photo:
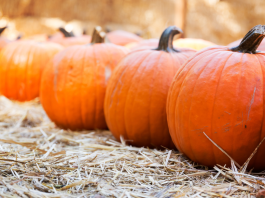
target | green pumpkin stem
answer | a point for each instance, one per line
(2, 29)
(65, 33)
(98, 36)
(251, 41)
(166, 39)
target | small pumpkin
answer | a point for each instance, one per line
(67, 39)
(196, 44)
(74, 83)
(135, 103)
(22, 63)
(220, 92)
(3, 41)
(121, 37)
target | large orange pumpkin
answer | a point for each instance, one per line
(67, 39)
(74, 83)
(22, 63)
(3, 41)
(220, 92)
(121, 37)
(135, 103)
(196, 44)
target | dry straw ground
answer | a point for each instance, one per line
(39, 160)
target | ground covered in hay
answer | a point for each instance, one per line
(37, 159)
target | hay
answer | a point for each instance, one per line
(39, 160)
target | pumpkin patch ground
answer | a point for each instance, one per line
(41, 160)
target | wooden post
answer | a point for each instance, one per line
(180, 14)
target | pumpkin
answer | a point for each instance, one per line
(135, 103)
(236, 43)
(74, 83)
(196, 44)
(22, 63)
(121, 37)
(3, 41)
(219, 93)
(67, 39)
(37, 37)
(151, 43)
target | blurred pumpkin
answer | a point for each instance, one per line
(67, 39)
(73, 84)
(151, 43)
(236, 43)
(22, 63)
(220, 92)
(3, 41)
(196, 44)
(37, 37)
(121, 37)
(135, 103)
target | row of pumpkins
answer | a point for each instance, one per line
(154, 93)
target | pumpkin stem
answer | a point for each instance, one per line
(2, 29)
(251, 41)
(98, 36)
(166, 39)
(65, 33)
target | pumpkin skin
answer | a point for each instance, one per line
(196, 44)
(121, 37)
(135, 103)
(73, 85)
(236, 43)
(22, 63)
(219, 92)
(3, 42)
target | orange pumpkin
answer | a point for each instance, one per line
(22, 63)
(121, 37)
(196, 44)
(135, 103)
(220, 92)
(3, 41)
(67, 39)
(74, 83)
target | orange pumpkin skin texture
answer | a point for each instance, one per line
(196, 44)
(74, 83)
(219, 92)
(135, 103)
(121, 37)
(22, 63)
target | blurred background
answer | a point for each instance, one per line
(219, 21)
